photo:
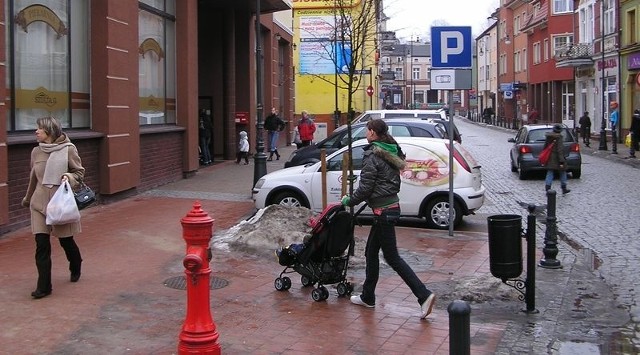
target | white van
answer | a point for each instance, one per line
(386, 114)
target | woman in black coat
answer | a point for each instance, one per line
(379, 187)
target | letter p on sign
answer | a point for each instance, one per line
(451, 47)
(452, 41)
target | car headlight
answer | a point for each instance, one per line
(259, 184)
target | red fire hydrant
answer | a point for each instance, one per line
(199, 334)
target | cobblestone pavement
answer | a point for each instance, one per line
(598, 221)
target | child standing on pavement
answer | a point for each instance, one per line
(243, 148)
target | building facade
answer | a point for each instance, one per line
(487, 78)
(330, 38)
(128, 80)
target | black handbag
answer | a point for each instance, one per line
(84, 196)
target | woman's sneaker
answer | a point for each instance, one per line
(357, 300)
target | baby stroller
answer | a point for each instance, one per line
(323, 257)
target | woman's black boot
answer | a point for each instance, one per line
(43, 264)
(72, 252)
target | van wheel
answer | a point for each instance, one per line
(288, 199)
(437, 213)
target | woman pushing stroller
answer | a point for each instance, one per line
(379, 186)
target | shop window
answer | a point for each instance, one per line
(40, 78)
(156, 36)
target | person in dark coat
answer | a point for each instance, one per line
(557, 161)
(379, 186)
(585, 128)
(274, 125)
(634, 130)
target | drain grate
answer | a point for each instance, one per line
(180, 283)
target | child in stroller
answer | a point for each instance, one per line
(322, 257)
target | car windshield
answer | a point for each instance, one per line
(539, 135)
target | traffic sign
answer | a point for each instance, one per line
(508, 95)
(370, 90)
(451, 47)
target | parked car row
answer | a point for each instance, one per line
(339, 138)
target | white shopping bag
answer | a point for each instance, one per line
(62, 207)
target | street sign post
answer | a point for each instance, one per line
(451, 62)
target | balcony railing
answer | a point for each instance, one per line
(574, 55)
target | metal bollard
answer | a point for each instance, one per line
(550, 249)
(459, 328)
(530, 282)
(199, 334)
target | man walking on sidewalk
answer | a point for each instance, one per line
(614, 118)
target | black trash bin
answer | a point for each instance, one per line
(505, 245)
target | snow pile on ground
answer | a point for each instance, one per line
(270, 228)
(275, 227)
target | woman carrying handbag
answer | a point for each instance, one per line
(54, 161)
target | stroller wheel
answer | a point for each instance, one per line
(317, 295)
(325, 292)
(279, 284)
(306, 281)
(287, 282)
(343, 289)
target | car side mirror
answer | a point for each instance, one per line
(511, 140)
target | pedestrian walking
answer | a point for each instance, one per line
(379, 186)
(533, 116)
(54, 161)
(274, 125)
(205, 130)
(614, 118)
(634, 130)
(585, 128)
(306, 129)
(557, 161)
(243, 148)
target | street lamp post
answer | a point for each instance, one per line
(411, 72)
(260, 166)
(603, 123)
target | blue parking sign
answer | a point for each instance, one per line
(451, 47)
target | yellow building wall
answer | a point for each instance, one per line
(316, 93)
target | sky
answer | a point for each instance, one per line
(413, 18)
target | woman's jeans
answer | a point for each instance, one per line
(273, 140)
(549, 178)
(383, 236)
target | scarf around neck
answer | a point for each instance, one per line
(57, 163)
